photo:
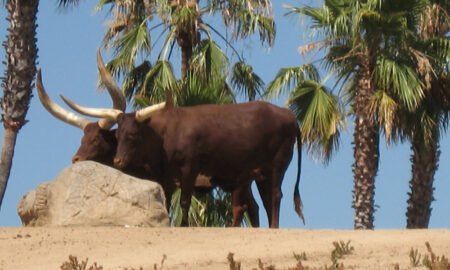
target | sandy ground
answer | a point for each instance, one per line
(207, 248)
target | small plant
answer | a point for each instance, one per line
(73, 264)
(233, 264)
(262, 267)
(340, 249)
(299, 266)
(434, 262)
(155, 266)
(300, 257)
(414, 257)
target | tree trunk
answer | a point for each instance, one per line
(366, 150)
(21, 54)
(187, 35)
(424, 161)
(186, 54)
(9, 141)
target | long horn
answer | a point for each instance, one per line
(116, 94)
(55, 109)
(110, 114)
(143, 114)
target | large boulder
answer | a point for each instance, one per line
(91, 194)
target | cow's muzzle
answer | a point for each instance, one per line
(118, 163)
(76, 158)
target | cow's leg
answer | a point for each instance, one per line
(187, 188)
(280, 163)
(264, 187)
(169, 185)
(277, 176)
(238, 202)
(252, 209)
(169, 188)
(243, 200)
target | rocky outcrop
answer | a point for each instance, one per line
(91, 194)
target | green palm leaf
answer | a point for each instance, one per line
(401, 79)
(127, 47)
(320, 118)
(207, 210)
(245, 80)
(134, 81)
(246, 17)
(193, 90)
(288, 78)
(157, 79)
(209, 59)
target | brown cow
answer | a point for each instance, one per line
(238, 142)
(99, 142)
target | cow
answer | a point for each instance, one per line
(233, 143)
(99, 142)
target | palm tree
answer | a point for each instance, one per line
(362, 40)
(184, 24)
(21, 55)
(428, 121)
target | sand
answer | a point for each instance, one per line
(208, 248)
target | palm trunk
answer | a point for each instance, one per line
(424, 161)
(21, 54)
(9, 141)
(366, 151)
(187, 35)
(186, 54)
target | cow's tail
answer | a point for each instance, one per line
(298, 205)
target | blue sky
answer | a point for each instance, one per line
(67, 42)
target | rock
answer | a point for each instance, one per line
(91, 194)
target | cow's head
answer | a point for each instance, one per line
(98, 143)
(134, 137)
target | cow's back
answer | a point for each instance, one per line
(227, 139)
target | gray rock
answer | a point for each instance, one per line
(91, 194)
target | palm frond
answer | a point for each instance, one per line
(331, 18)
(127, 47)
(209, 59)
(384, 108)
(246, 81)
(67, 3)
(320, 118)
(206, 210)
(157, 79)
(434, 21)
(288, 78)
(134, 80)
(401, 79)
(248, 17)
(195, 91)
(167, 43)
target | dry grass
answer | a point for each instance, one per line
(74, 264)
(431, 261)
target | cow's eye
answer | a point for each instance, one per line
(132, 136)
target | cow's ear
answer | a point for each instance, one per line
(169, 99)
